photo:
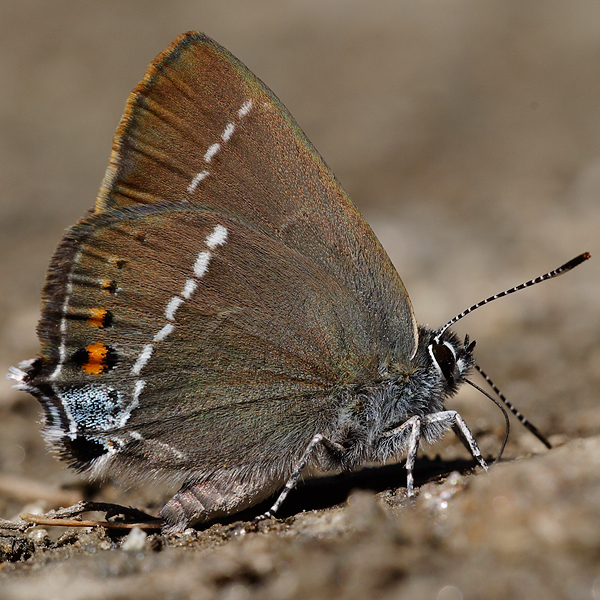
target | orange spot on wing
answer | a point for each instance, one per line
(97, 317)
(108, 286)
(97, 359)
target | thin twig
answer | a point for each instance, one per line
(65, 522)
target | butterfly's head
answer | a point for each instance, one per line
(452, 359)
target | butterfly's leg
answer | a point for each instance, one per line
(468, 441)
(300, 465)
(415, 423)
(463, 433)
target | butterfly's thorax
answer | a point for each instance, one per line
(369, 412)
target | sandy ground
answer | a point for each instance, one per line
(468, 133)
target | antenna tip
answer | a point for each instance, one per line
(576, 261)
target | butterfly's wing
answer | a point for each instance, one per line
(207, 317)
(178, 325)
(201, 128)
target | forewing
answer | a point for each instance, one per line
(202, 129)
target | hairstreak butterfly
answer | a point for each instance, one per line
(224, 317)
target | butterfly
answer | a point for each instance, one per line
(224, 319)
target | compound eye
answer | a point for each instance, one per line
(444, 357)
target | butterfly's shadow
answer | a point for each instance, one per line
(326, 492)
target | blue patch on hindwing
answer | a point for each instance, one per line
(93, 407)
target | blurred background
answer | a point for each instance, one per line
(468, 134)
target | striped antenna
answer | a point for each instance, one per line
(527, 424)
(566, 267)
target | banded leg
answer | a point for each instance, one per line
(459, 423)
(300, 465)
(415, 423)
